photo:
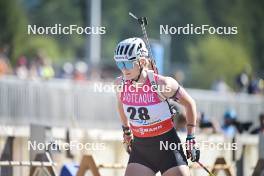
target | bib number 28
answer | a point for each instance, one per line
(142, 113)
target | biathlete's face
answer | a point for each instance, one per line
(130, 69)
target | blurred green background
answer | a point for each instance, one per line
(204, 58)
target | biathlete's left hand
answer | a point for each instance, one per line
(191, 150)
(127, 139)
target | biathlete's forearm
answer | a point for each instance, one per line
(191, 117)
(124, 122)
(190, 107)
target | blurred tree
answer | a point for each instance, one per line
(245, 14)
(12, 30)
(170, 12)
(14, 37)
(254, 26)
(248, 17)
(43, 44)
(64, 12)
(213, 58)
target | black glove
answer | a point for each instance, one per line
(192, 152)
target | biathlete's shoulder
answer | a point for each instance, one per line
(170, 84)
(165, 80)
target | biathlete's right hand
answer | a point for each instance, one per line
(127, 139)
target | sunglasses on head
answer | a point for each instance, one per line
(125, 65)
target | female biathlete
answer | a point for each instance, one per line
(146, 115)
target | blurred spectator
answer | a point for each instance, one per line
(254, 85)
(34, 70)
(242, 81)
(67, 70)
(21, 69)
(259, 129)
(220, 86)
(261, 86)
(46, 69)
(229, 127)
(80, 72)
(95, 74)
(205, 124)
(4, 66)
